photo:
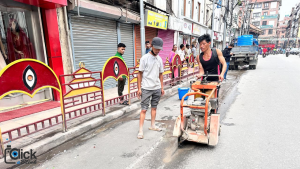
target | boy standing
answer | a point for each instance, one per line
(150, 83)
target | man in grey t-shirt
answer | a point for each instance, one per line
(150, 83)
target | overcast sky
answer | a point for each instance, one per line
(286, 7)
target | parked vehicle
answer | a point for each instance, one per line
(244, 54)
(294, 51)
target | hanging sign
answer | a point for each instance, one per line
(156, 20)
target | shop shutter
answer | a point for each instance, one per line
(127, 39)
(168, 38)
(94, 41)
(150, 33)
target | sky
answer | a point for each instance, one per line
(286, 7)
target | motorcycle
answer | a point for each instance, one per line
(264, 55)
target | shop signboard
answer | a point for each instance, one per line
(187, 27)
(175, 24)
(196, 29)
(156, 20)
(269, 16)
(266, 26)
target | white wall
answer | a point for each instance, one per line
(161, 4)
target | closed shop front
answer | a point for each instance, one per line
(154, 22)
(126, 32)
(150, 33)
(95, 40)
(168, 38)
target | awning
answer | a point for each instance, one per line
(255, 29)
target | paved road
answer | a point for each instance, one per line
(115, 145)
(261, 127)
(260, 118)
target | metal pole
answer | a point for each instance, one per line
(224, 36)
(224, 33)
(142, 26)
(212, 24)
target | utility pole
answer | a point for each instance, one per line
(142, 26)
(225, 25)
(212, 24)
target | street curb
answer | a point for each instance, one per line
(49, 143)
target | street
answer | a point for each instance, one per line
(259, 129)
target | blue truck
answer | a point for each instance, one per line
(245, 52)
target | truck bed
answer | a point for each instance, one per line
(243, 50)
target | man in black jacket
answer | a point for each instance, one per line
(227, 54)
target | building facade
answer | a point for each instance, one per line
(266, 16)
(30, 29)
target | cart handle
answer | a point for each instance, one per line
(200, 107)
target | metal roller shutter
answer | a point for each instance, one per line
(168, 38)
(127, 38)
(150, 33)
(94, 41)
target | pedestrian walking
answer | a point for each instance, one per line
(148, 47)
(121, 80)
(187, 53)
(171, 56)
(150, 84)
(181, 52)
(194, 51)
(227, 55)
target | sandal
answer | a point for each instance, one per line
(140, 135)
(155, 129)
(124, 103)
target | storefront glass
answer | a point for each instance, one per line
(15, 42)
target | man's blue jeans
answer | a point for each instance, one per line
(226, 69)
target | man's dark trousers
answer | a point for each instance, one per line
(121, 84)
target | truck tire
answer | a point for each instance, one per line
(253, 67)
(236, 67)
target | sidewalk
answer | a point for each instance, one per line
(25, 120)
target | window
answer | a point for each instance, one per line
(182, 7)
(282, 31)
(263, 32)
(273, 4)
(257, 5)
(197, 16)
(191, 8)
(16, 30)
(270, 31)
(265, 13)
(207, 17)
(282, 36)
(255, 23)
(169, 6)
(266, 5)
(256, 15)
(264, 23)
